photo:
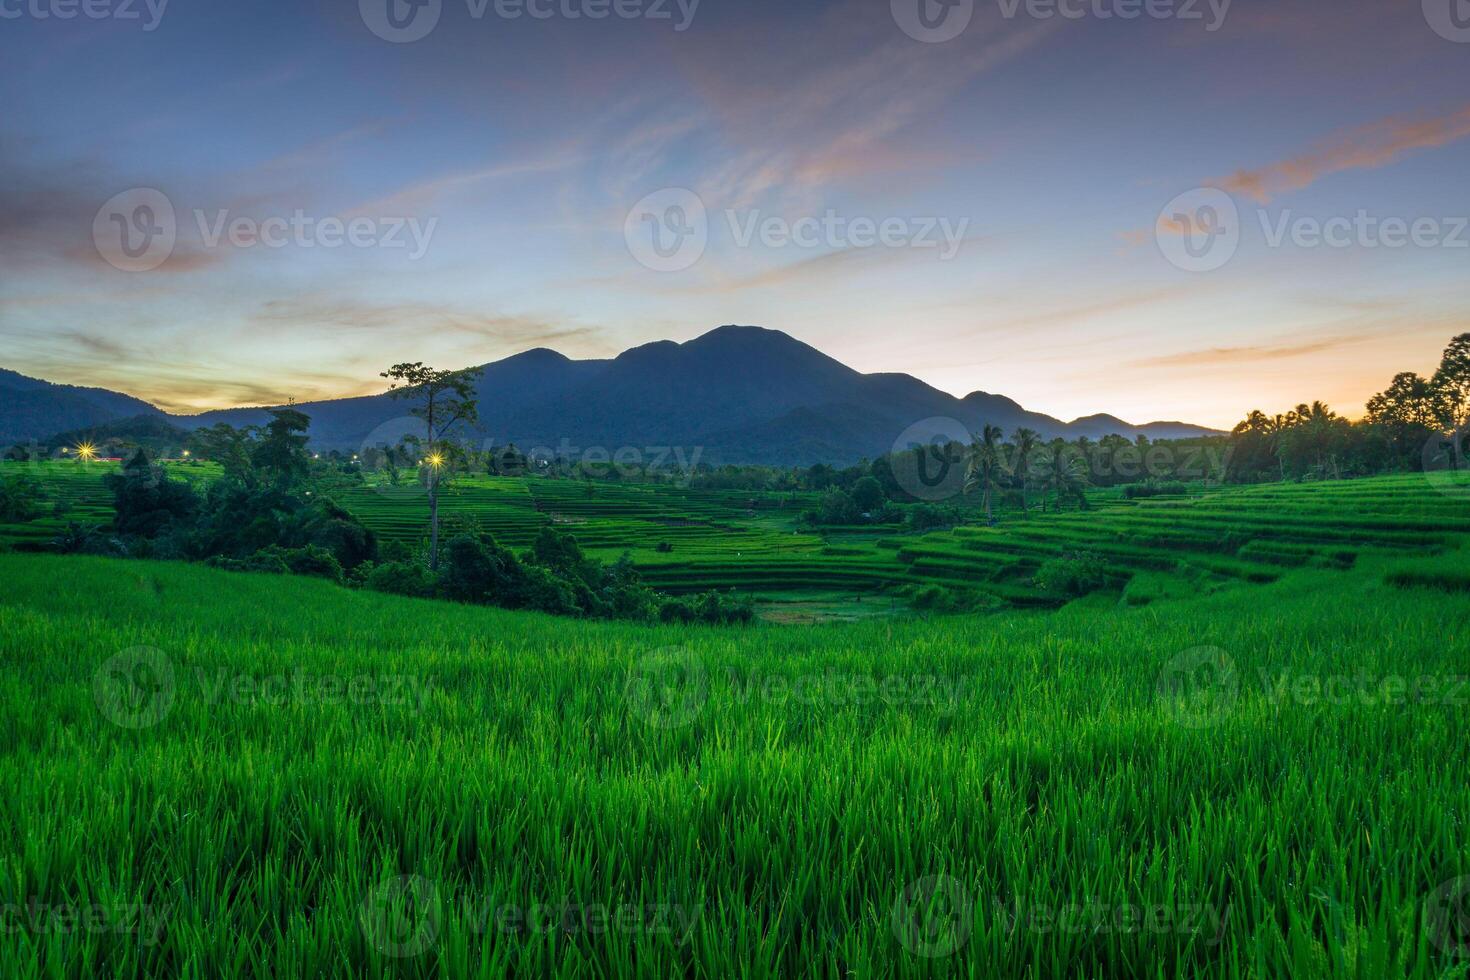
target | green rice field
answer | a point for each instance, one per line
(1246, 758)
(1214, 538)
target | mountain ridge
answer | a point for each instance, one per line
(745, 394)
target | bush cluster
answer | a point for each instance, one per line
(1074, 574)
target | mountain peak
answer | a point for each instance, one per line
(1102, 418)
(538, 355)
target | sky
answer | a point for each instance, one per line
(1087, 205)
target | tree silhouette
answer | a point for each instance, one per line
(446, 399)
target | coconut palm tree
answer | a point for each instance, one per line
(1026, 442)
(1065, 473)
(984, 466)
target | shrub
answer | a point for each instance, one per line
(401, 578)
(542, 590)
(663, 548)
(1074, 574)
(1138, 491)
(19, 497)
(310, 560)
(476, 569)
(88, 539)
(275, 560)
(927, 517)
(934, 598)
(710, 607)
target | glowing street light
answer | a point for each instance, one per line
(86, 452)
(435, 460)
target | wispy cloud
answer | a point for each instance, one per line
(1214, 356)
(1373, 145)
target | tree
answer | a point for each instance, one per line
(145, 501)
(1065, 473)
(984, 466)
(226, 445)
(1452, 382)
(1027, 441)
(867, 493)
(280, 455)
(446, 399)
(1309, 441)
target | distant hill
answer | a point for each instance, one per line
(743, 394)
(35, 409)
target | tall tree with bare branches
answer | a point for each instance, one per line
(445, 400)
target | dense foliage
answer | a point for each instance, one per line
(271, 510)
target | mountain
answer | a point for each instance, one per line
(740, 394)
(34, 409)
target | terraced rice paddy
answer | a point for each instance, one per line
(749, 542)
